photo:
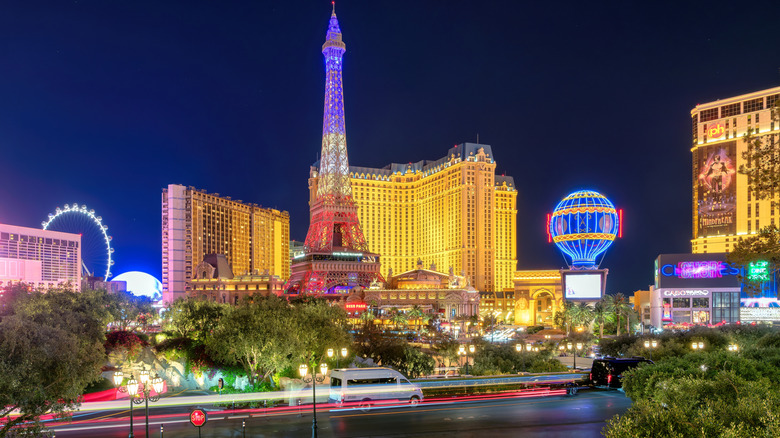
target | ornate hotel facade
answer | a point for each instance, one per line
(723, 207)
(455, 212)
(196, 223)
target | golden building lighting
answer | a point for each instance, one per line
(455, 212)
(723, 206)
(196, 223)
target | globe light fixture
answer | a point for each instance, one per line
(650, 345)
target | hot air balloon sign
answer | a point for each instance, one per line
(583, 225)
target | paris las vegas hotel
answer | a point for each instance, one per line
(452, 212)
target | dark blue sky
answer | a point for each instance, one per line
(105, 103)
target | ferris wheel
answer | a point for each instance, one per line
(96, 250)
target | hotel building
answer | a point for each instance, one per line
(723, 207)
(455, 212)
(196, 223)
(41, 258)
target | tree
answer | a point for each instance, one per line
(51, 348)
(416, 314)
(581, 314)
(601, 314)
(192, 318)
(318, 327)
(714, 392)
(416, 363)
(259, 336)
(398, 318)
(620, 306)
(383, 348)
(563, 316)
(367, 316)
(447, 348)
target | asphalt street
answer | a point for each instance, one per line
(583, 415)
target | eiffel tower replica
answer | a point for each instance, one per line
(336, 257)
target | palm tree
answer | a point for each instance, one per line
(582, 314)
(620, 307)
(563, 318)
(415, 313)
(397, 317)
(601, 313)
(367, 316)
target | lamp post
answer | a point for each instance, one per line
(463, 351)
(575, 347)
(697, 345)
(519, 348)
(733, 347)
(332, 353)
(303, 370)
(650, 345)
(132, 388)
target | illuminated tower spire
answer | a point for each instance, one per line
(334, 222)
(334, 166)
(336, 257)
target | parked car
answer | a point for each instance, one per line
(608, 371)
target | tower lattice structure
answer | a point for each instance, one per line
(336, 256)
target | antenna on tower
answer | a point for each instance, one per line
(477, 137)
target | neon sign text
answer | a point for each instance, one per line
(716, 131)
(356, 307)
(699, 269)
(687, 293)
(758, 271)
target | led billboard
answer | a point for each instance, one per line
(584, 285)
(716, 188)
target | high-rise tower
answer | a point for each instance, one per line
(336, 256)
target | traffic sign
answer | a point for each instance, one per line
(198, 417)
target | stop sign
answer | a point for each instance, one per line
(198, 417)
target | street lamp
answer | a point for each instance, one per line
(575, 347)
(332, 353)
(132, 389)
(697, 345)
(463, 351)
(303, 370)
(650, 345)
(733, 347)
(519, 348)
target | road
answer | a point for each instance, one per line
(583, 415)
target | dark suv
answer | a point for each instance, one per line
(608, 371)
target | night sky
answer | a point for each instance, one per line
(104, 103)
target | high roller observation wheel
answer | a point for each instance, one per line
(74, 208)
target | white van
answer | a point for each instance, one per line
(361, 386)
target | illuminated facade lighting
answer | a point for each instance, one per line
(724, 207)
(454, 211)
(41, 258)
(196, 223)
